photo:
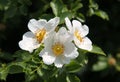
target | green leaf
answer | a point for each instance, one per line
(80, 17)
(3, 73)
(31, 77)
(6, 56)
(97, 50)
(15, 69)
(72, 78)
(63, 15)
(101, 65)
(102, 14)
(3, 4)
(61, 77)
(73, 67)
(58, 7)
(46, 74)
(22, 55)
(82, 58)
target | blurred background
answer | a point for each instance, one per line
(102, 17)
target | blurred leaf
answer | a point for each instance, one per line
(72, 78)
(11, 11)
(25, 2)
(6, 56)
(22, 55)
(97, 50)
(3, 3)
(101, 65)
(82, 58)
(58, 7)
(23, 10)
(102, 14)
(15, 69)
(90, 12)
(62, 77)
(45, 73)
(63, 15)
(93, 4)
(81, 17)
(76, 5)
(3, 73)
(73, 67)
(30, 77)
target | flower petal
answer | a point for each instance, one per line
(47, 57)
(70, 50)
(84, 31)
(86, 44)
(68, 24)
(65, 59)
(35, 25)
(51, 24)
(63, 32)
(77, 24)
(28, 44)
(28, 35)
(58, 63)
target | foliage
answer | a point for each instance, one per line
(14, 16)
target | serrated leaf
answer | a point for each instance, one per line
(97, 50)
(72, 78)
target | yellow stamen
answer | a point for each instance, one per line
(77, 35)
(40, 35)
(58, 49)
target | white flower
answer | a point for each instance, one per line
(79, 32)
(39, 29)
(59, 48)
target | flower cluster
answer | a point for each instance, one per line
(59, 47)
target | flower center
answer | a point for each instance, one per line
(40, 35)
(77, 35)
(58, 49)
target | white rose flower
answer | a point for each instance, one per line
(59, 48)
(79, 32)
(39, 29)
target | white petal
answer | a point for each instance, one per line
(52, 24)
(28, 35)
(48, 58)
(70, 50)
(86, 44)
(48, 42)
(64, 59)
(42, 23)
(64, 35)
(28, 44)
(76, 24)
(69, 47)
(84, 31)
(68, 24)
(33, 25)
(58, 63)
